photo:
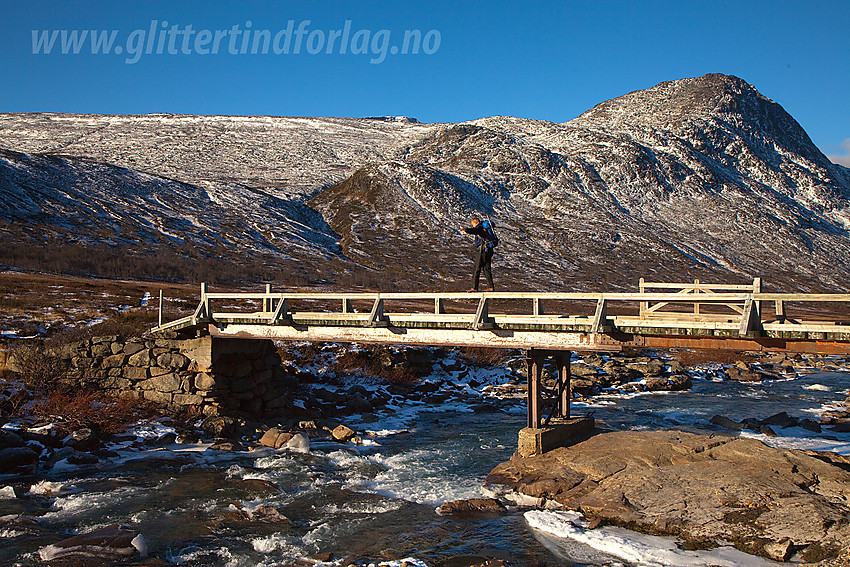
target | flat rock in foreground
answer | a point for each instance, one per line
(772, 502)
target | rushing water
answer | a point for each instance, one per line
(368, 504)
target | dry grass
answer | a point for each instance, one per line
(56, 302)
(375, 361)
(300, 355)
(150, 263)
(95, 410)
(372, 360)
(400, 376)
(697, 357)
(41, 371)
(483, 356)
(13, 399)
(54, 392)
(126, 324)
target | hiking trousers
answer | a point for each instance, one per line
(483, 258)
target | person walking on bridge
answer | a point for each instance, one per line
(485, 241)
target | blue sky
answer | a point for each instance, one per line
(545, 60)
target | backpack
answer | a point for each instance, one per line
(493, 240)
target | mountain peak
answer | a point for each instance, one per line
(711, 94)
(712, 101)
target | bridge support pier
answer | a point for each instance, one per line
(557, 429)
(559, 407)
(560, 433)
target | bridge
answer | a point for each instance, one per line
(661, 315)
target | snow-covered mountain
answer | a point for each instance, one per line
(697, 178)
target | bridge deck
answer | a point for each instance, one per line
(696, 315)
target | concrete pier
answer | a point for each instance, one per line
(559, 433)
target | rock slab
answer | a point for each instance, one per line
(766, 501)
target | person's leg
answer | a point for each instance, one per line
(479, 265)
(488, 271)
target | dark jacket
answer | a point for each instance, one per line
(482, 237)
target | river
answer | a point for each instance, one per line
(374, 503)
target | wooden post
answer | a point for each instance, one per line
(267, 302)
(346, 305)
(751, 319)
(600, 317)
(439, 306)
(376, 316)
(160, 308)
(564, 386)
(482, 315)
(205, 301)
(538, 309)
(757, 289)
(202, 312)
(696, 292)
(535, 375)
(644, 305)
(780, 310)
(281, 314)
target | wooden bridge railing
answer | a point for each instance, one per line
(741, 303)
(697, 288)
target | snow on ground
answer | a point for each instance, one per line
(407, 561)
(803, 439)
(560, 529)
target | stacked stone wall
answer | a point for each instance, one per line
(215, 376)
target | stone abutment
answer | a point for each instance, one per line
(210, 375)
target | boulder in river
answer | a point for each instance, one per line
(17, 460)
(471, 507)
(9, 438)
(342, 433)
(740, 375)
(275, 438)
(109, 543)
(782, 419)
(725, 422)
(707, 488)
(83, 439)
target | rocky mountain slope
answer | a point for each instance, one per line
(697, 178)
(52, 200)
(286, 156)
